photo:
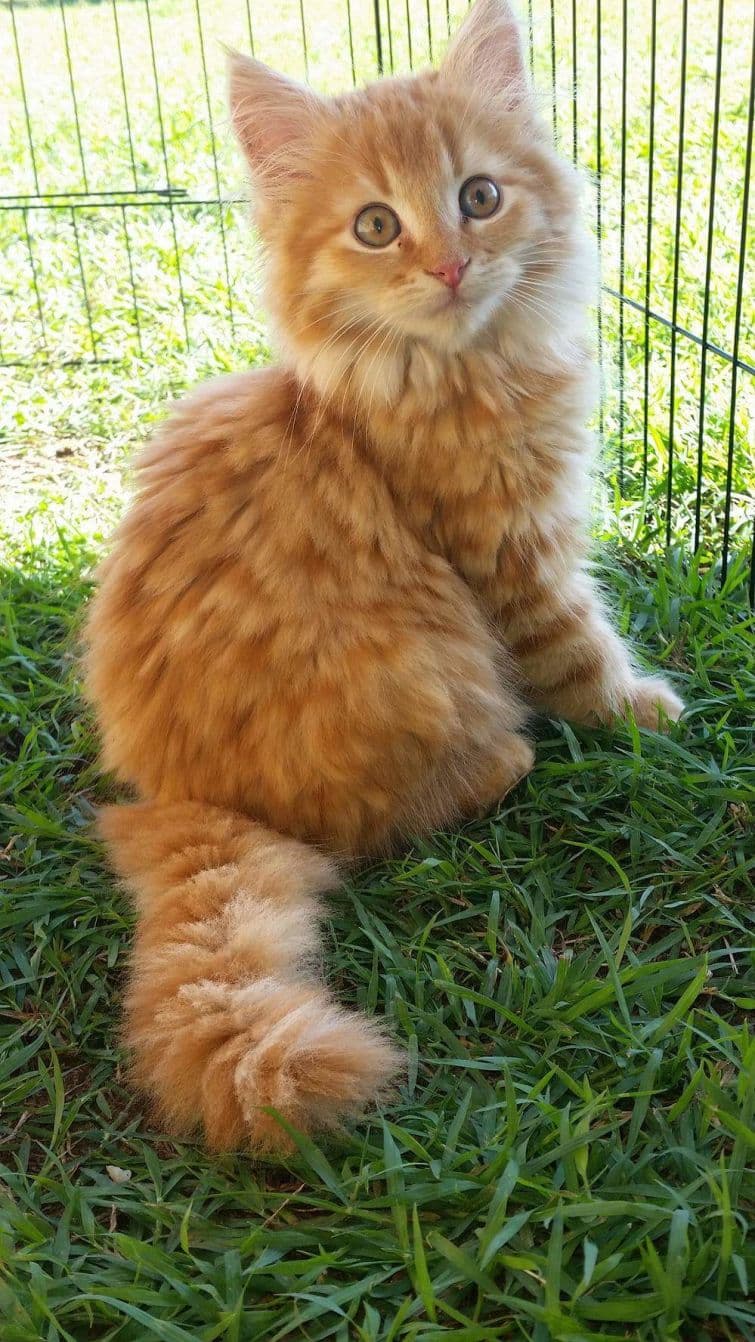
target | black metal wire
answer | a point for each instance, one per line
(708, 268)
(135, 300)
(34, 279)
(248, 24)
(379, 34)
(84, 287)
(389, 30)
(13, 202)
(83, 362)
(74, 99)
(649, 241)
(622, 242)
(574, 76)
(553, 69)
(168, 187)
(409, 36)
(351, 42)
(671, 325)
(24, 98)
(213, 150)
(599, 195)
(35, 282)
(125, 95)
(163, 201)
(304, 43)
(677, 255)
(737, 333)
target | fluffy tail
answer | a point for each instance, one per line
(224, 1013)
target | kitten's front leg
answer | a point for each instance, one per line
(574, 662)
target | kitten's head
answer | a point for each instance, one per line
(430, 210)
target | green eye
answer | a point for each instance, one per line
(479, 198)
(376, 226)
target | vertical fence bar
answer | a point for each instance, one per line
(249, 25)
(574, 74)
(737, 333)
(409, 36)
(379, 34)
(24, 99)
(708, 269)
(389, 25)
(553, 69)
(213, 149)
(74, 99)
(125, 96)
(137, 323)
(622, 242)
(675, 292)
(35, 283)
(84, 288)
(351, 43)
(599, 196)
(161, 125)
(530, 39)
(649, 241)
(305, 47)
(429, 30)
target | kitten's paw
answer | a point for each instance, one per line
(318, 1066)
(512, 762)
(516, 760)
(654, 703)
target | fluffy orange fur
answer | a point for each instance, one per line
(347, 580)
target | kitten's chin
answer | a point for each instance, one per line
(454, 324)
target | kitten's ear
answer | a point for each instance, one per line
(273, 117)
(487, 53)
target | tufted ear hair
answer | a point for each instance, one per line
(273, 117)
(486, 53)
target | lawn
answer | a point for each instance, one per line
(571, 1153)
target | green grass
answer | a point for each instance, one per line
(572, 1155)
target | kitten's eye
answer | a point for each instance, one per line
(376, 226)
(479, 198)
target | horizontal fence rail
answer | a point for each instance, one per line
(124, 230)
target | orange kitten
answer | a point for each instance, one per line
(348, 579)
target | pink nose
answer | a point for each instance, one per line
(450, 272)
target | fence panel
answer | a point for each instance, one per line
(123, 224)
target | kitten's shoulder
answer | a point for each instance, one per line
(238, 415)
(237, 402)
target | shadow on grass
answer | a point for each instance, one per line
(63, 925)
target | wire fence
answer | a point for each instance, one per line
(124, 234)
